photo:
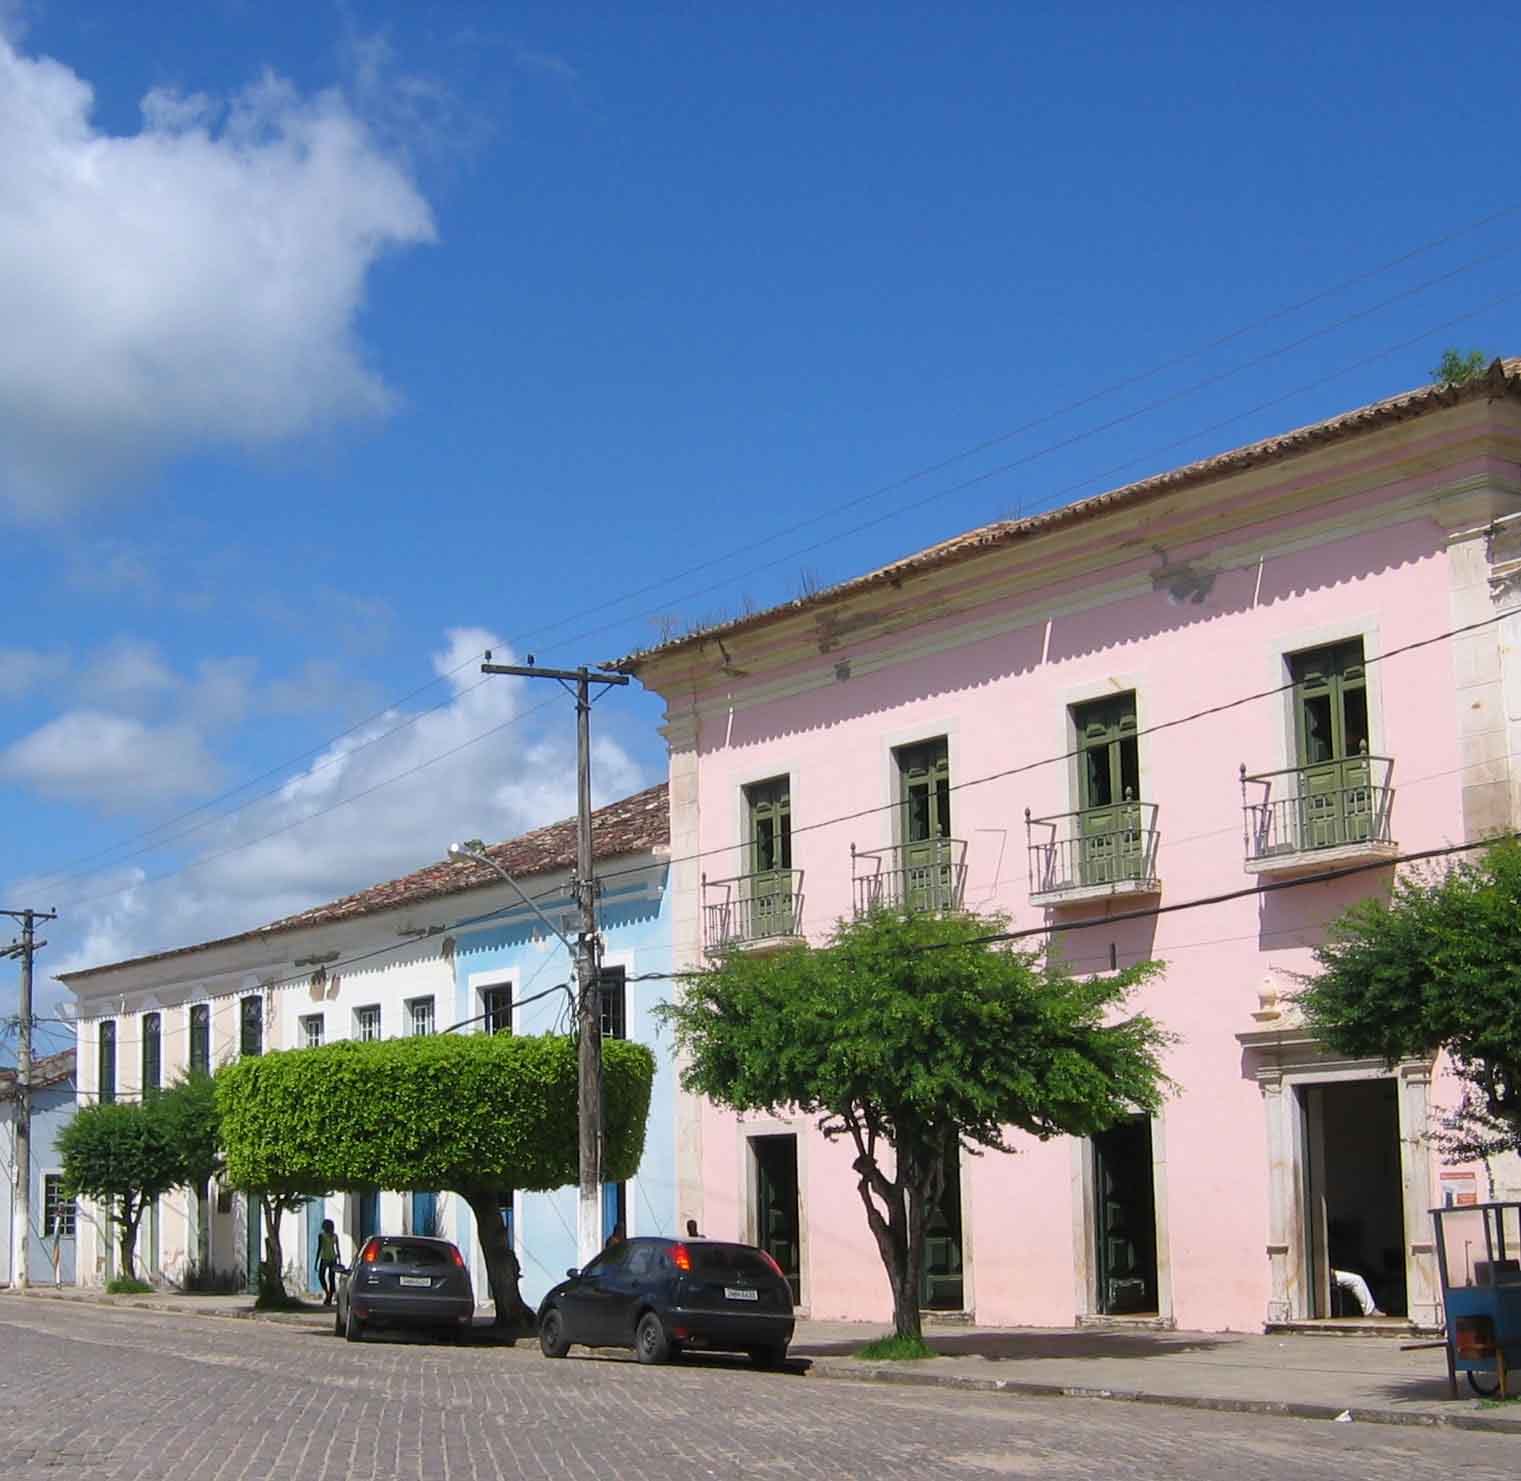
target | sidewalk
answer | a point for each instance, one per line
(1307, 1377)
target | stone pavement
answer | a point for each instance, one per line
(1308, 1377)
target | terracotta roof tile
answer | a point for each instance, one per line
(629, 826)
(49, 1069)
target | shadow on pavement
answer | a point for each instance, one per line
(1003, 1347)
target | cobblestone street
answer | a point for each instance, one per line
(119, 1394)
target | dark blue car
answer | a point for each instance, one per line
(659, 1296)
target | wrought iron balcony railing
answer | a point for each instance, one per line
(751, 907)
(1095, 848)
(1332, 804)
(909, 876)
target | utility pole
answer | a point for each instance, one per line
(21, 1203)
(588, 999)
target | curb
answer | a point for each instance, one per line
(1028, 1389)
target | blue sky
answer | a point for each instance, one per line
(347, 339)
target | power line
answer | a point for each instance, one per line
(986, 475)
(1072, 752)
(1103, 393)
(72, 868)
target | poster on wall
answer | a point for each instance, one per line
(1459, 1189)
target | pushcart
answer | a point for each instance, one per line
(1479, 1256)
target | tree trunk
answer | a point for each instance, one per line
(893, 1244)
(272, 1266)
(502, 1270)
(128, 1220)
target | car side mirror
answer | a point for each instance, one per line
(572, 1273)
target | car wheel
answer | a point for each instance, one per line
(768, 1357)
(353, 1329)
(553, 1339)
(651, 1345)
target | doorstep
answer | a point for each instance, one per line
(1144, 1322)
(1353, 1326)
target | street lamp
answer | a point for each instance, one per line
(589, 1043)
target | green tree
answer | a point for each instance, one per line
(1455, 367)
(1436, 967)
(120, 1156)
(913, 1038)
(476, 1114)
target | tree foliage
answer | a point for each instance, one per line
(913, 1038)
(124, 1155)
(475, 1114)
(1436, 967)
(1455, 367)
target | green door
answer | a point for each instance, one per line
(1331, 732)
(941, 1285)
(770, 859)
(1126, 1218)
(924, 774)
(1111, 845)
(776, 1207)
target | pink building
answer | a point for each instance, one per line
(989, 723)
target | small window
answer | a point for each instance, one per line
(311, 1031)
(251, 1026)
(367, 1023)
(106, 1087)
(153, 1057)
(496, 1010)
(770, 807)
(612, 986)
(924, 783)
(420, 1016)
(200, 1038)
(57, 1211)
(1109, 758)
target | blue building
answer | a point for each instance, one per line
(51, 1243)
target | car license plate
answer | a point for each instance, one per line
(416, 1280)
(741, 1293)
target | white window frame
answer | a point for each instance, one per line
(70, 1203)
(308, 1021)
(362, 1023)
(413, 1004)
(481, 983)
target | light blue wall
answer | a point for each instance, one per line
(634, 915)
(52, 1110)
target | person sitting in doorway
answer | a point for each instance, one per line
(1357, 1288)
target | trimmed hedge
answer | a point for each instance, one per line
(443, 1111)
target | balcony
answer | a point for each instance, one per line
(1093, 854)
(1305, 818)
(909, 877)
(752, 912)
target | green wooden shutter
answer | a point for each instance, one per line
(770, 885)
(1331, 735)
(1111, 845)
(924, 781)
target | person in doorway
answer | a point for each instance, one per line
(616, 1237)
(1357, 1288)
(328, 1262)
(692, 1229)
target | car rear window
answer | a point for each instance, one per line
(413, 1254)
(725, 1261)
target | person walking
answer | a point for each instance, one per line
(327, 1262)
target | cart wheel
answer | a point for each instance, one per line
(1486, 1385)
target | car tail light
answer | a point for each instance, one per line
(766, 1256)
(459, 1259)
(681, 1257)
(371, 1252)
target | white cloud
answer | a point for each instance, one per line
(195, 283)
(25, 669)
(266, 862)
(115, 761)
(129, 672)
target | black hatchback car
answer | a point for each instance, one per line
(405, 1280)
(659, 1296)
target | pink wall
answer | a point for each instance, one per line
(1002, 707)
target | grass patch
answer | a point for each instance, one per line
(896, 1349)
(128, 1285)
